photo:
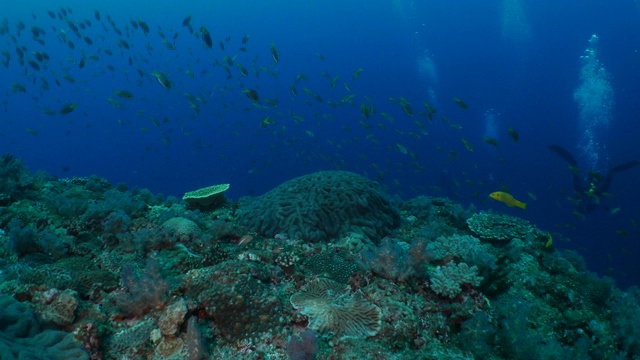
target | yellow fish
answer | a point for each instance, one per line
(503, 197)
(549, 240)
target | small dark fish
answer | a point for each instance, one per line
(366, 112)
(130, 61)
(7, 58)
(69, 78)
(333, 82)
(63, 11)
(16, 88)
(169, 45)
(252, 94)
(124, 94)
(96, 14)
(162, 79)
(245, 39)
(243, 70)
(51, 14)
(275, 54)
(82, 62)
(491, 141)
(88, 40)
(40, 56)
(221, 44)
(206, 37)
(514, 134)
(187, 21)
(68, 109)
(37, 31)
(266, 121)
(134, 23)
(82, 26)
(357, 73)
(73, 26)
(71, 44)
(34, 65)
(123, 43)
(407, 109)
(20, 52)
(461, 104)
(143, 26)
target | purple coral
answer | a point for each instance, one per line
(302, 346)
(145, 291)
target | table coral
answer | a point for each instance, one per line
(498, 227)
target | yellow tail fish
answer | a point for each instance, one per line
(503, 197)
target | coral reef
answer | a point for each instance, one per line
(321, 206)
(332, 273)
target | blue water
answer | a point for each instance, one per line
(516, 64)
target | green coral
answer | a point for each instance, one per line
(182, 227)
(208, 197)
(331, 265)
(321, 206)
(447, 280)
(498, 227)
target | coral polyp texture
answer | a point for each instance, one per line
(500, 227)
(331, 308)
(321, 206)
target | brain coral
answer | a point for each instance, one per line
(321, 206)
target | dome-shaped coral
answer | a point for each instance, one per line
(321, 206)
